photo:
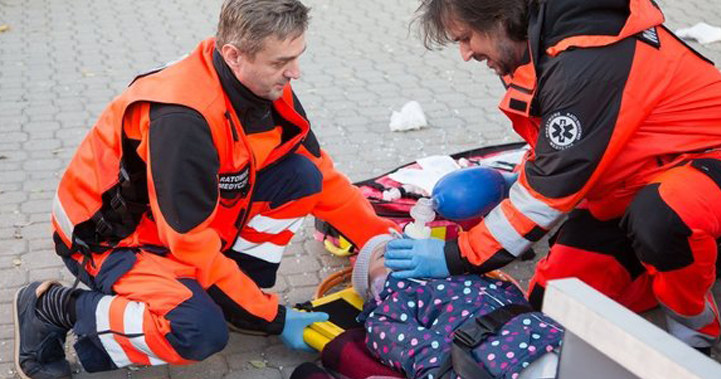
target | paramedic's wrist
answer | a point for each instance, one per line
(455, 262)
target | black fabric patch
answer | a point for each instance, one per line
(497, 260)
(198, 328)
(311, 144)
(92, 355)
(291, 178)
(583, 231)
(710, 167)
(243, 319)
(234, 185)
(589, 84)
(263, 273)
(658, 235)
(184, 165)
(117, 264)
(650, 36)
(253, 112)
(536, 297)
(566, 18)
(341, 313)
(456, 264)
(535, 234)
(518, 105)
(309, 370)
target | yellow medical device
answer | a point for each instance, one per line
(342, 307)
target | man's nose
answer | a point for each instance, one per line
(293, 71)
(466, 52)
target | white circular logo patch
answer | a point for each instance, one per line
(562, 130)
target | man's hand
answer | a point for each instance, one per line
(295, 322)
(423, 258)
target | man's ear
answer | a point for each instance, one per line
(231, 55)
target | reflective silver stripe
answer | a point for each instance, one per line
(535, 209)
(693, 322)
(505, 233)
(266, 251)
(688, 335)
(275, 226)
(62, 218)
(102, 322)
(133, 323)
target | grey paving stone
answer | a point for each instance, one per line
(279, 356)
(360, 65)
(213, 367)
(264, 373)
(7, 370)
(240, 345)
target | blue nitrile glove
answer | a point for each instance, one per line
(295, 322)
(421, 258)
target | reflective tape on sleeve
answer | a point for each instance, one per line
(62, 218)
(502, 230)
(536, 210)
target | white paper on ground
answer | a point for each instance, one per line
(410, 117)
(701, 32)
(433, 168)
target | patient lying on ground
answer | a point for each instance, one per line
(411, 324)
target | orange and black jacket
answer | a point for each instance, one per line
(608, 99)
(170, 167)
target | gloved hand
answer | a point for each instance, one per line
(421, 258)
(295, 322)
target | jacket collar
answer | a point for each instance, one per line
(254, 112)
(567, 24)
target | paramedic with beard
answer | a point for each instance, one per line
(624, 124)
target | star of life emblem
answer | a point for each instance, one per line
(562, 130)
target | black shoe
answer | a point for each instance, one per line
(39, 346)
(704, 350)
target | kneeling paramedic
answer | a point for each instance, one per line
(177, 207)
(624, 124)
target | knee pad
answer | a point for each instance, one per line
(659, 236)
(198, 328)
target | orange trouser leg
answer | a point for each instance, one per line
(674, 223)
(283, 195)
(144, 309)
(598, 253)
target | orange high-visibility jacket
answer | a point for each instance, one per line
(93, 212)
(609, 99)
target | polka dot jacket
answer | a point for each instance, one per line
(411, 327)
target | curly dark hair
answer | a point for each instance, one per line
(484, 16)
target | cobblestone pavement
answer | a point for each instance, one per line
(62, 61)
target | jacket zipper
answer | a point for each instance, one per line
(232, 126)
